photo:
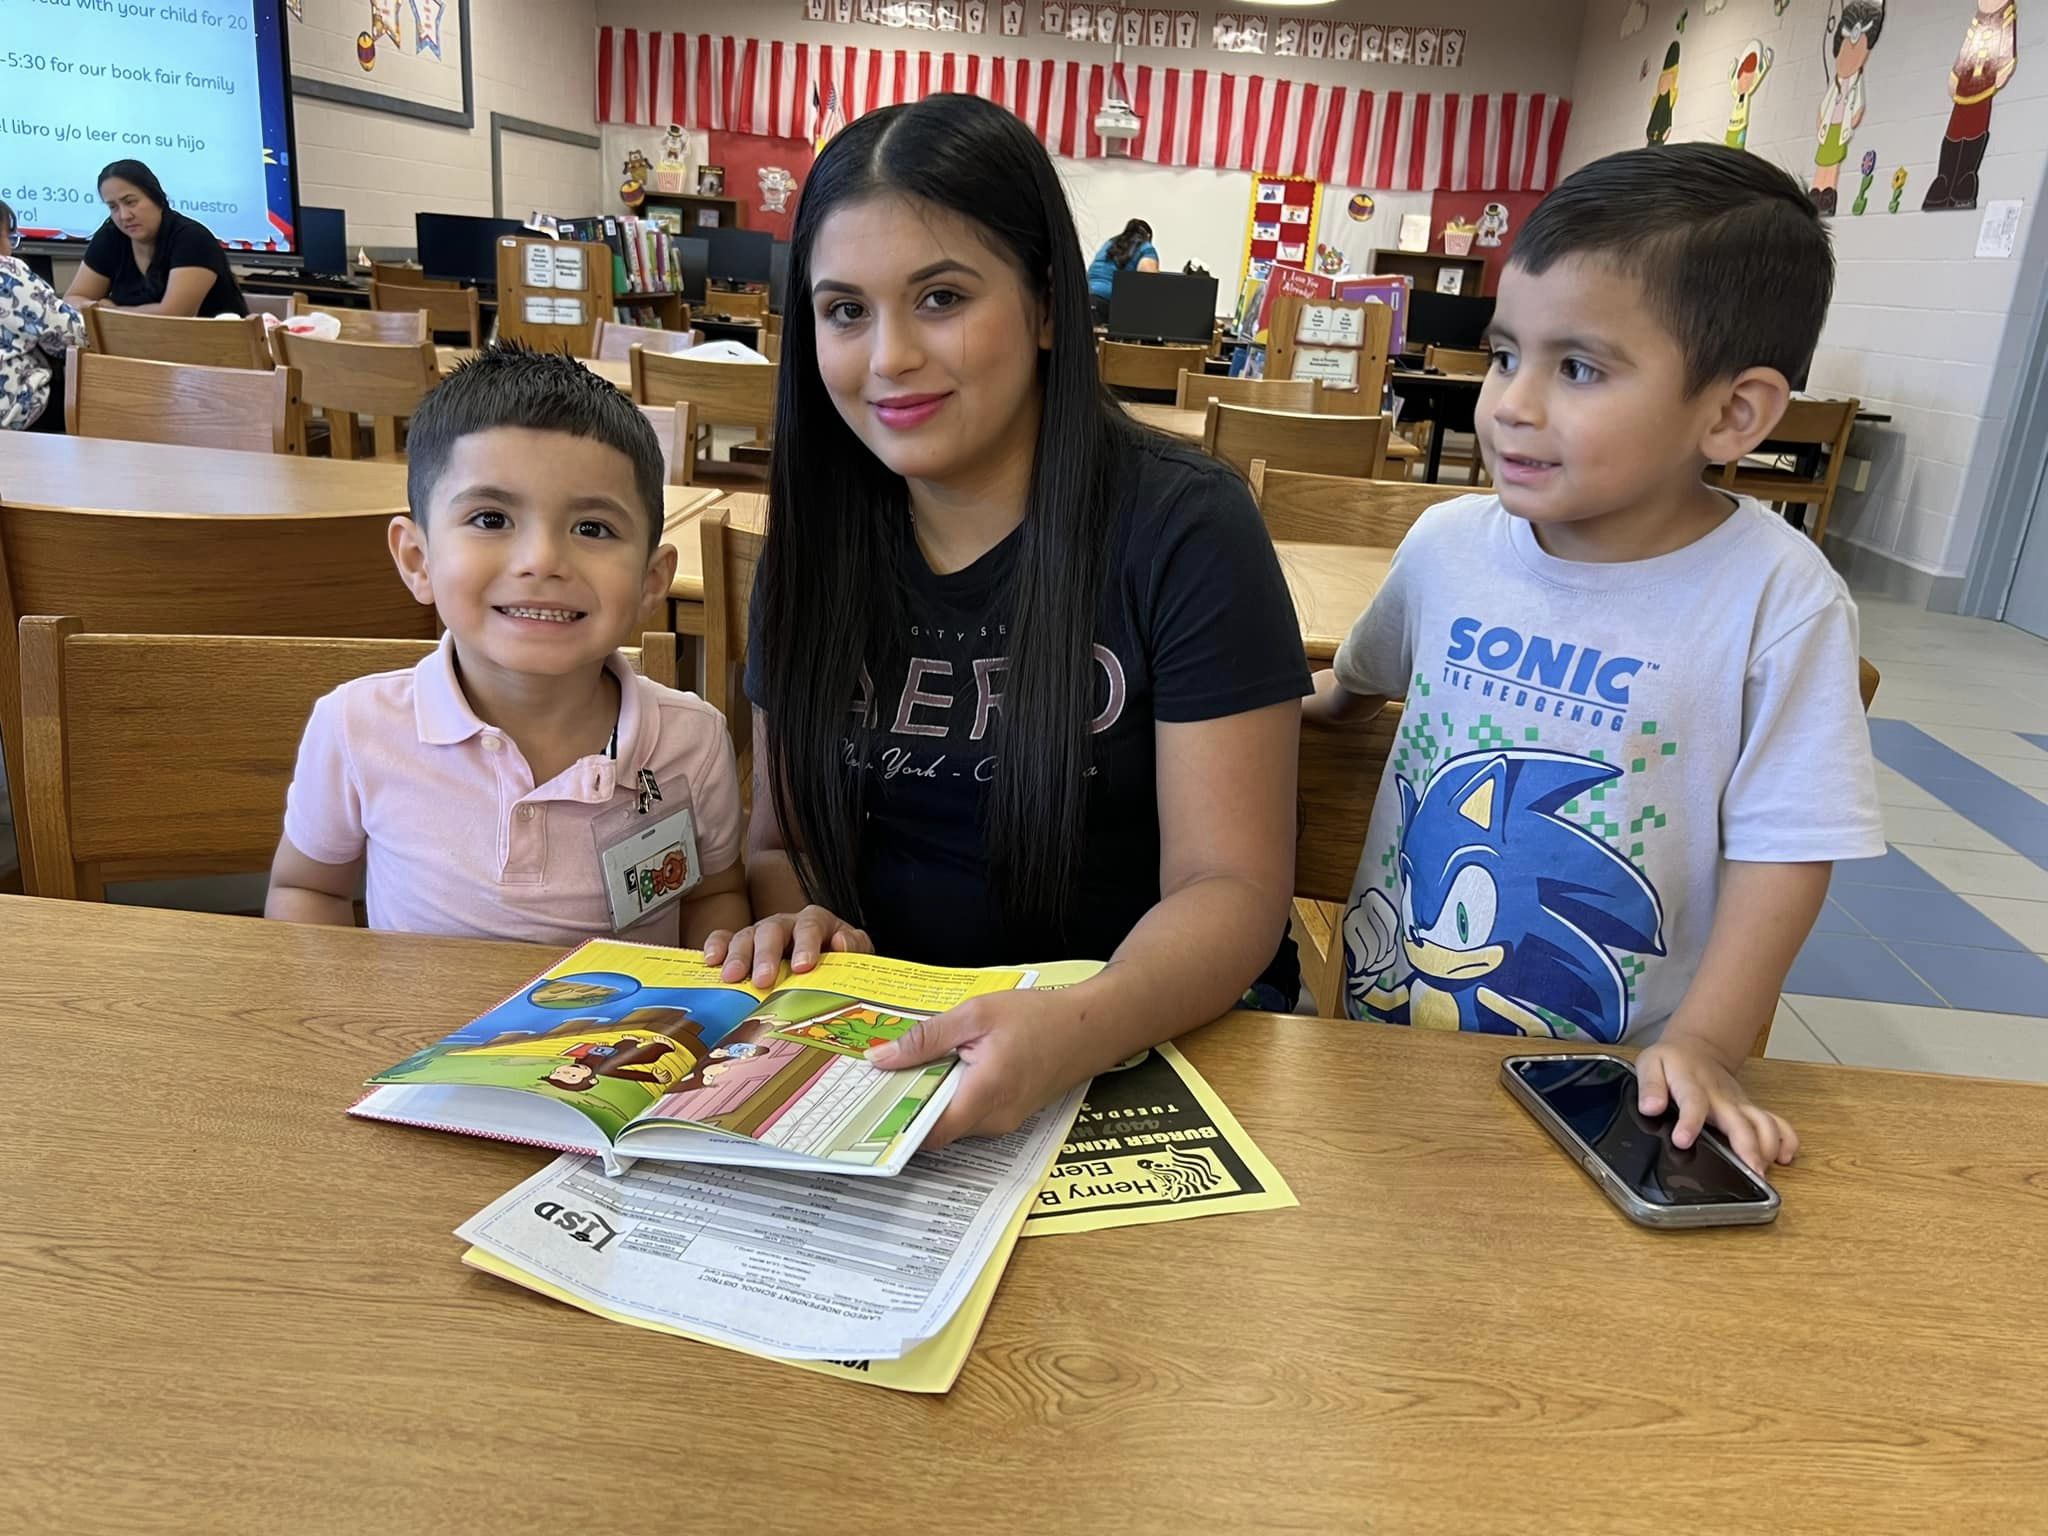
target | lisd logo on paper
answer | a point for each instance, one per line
(1571, 682)
(584, 1226)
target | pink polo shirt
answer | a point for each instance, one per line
(461, 841)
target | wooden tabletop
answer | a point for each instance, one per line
(614, 371)
(1186, 423)
(109, 475)
(744, 509)
(229, 1307)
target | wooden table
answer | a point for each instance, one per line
(109, 475)
(230, 1308)
(615, 371)
(1187, 424)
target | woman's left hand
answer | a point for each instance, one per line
(1018, 1052)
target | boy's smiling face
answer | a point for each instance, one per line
(535, 552)
(1584, 418)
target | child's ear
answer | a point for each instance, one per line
(661, 575)
(1748, 407)
(409, 553)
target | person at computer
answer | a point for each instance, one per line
(148, 256)
(35, 328)
(1131, 251)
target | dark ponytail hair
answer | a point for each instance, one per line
(139, 176)
(831, 607)
(1136, 234)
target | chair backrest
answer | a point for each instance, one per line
(1336, 781)
(725, 394)
(1337, 509)
(734, 305)
(730, 555)
(1463, 362)
(613, 342)
(1197, 389)
(173, 752)
(310, 573)
(177, 338)
(1323, 445)
(1128, 365)
(144, 402)
(668, 424)
(277, 304)
(771, 346)
(1823, 423)
(396, 326)
(407, 274)
(347, 379)
(446, 309)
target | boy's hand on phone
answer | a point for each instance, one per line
(1690, 1077)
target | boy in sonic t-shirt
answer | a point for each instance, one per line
(1632, 743)
(522, 782)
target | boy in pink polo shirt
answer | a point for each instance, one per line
(522, 782)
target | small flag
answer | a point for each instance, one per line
(830, 118)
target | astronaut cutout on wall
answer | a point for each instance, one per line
(776, 185)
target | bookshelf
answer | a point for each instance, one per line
(1424, 266)
(727, 212)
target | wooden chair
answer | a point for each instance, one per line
(397, 327)
(722, 394)
(446, 309)
(347, 379)
(173, 752)
(1338, 778)
(310, 573)
(144, 402)
(1808, 428)
(731, 305)
(1336, 509)
(1323, 445)
(178, 339)
(1196, 389)
(611, 341)
(670, 422)
(730, 555)
(1127, 365)
(1459, 362)
(261, 304)
(406, 274)
(771, 346)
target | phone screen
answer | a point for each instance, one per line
(1597, 1099)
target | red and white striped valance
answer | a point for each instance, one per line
(1396, 141)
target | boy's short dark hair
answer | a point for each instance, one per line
(510, 385)
(1728, 248)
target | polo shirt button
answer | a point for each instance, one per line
(491, 743)
(526, 813)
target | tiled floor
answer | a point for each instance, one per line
(1935, 957)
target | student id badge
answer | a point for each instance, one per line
(649, 855)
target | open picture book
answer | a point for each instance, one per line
(627, 1051)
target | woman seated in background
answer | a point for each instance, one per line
(35, 328)
(150, 257)
(1131, 251)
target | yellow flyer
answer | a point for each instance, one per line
(1153, 1143)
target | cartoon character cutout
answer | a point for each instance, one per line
(1493, 224)
(1983, 66)
(1863, 192)
(1666, 101)
(1752, 62)
(776, 185)
(1852, 34)
(1510, 914)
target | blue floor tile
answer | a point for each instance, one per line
(1834, 918)
(2004, 810)
(1984, 980)
(1893, 868)
(1841, 965)
(1928, 917)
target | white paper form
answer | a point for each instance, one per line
(807, 1266)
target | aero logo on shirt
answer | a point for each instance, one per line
(1576, 683)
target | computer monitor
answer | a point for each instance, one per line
(323, 240)
(739, 255)
(461, 247)
(778, 276)
(1162, 306)
(695, 255)
(1446, 320)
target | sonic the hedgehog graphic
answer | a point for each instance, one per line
(1508, 911)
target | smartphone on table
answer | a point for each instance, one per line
(1588, 1102)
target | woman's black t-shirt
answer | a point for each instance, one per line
(1196, 624)
(181, 242)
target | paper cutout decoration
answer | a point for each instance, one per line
(1998, 236)
(1134, 29)
(1898, 188)
(1158, 29)
(1372, 44)
(1360, 207)
(1869, 169)
(1013, 19)
(384, 20)
(1851, 34)
(1344, 41)
(946, 15)
(1329, 260)
(1453, 52)
(1400, 44)
(814, 10)
(1715, 7)
(842, 11)
(1318, 39)
(1983, 65)
(1184, 25)
(1052, 19)
(426, 21)
(1428, 40)
(366, 50)
(776, 185)
(297, 8)
(1634, 17)
(1080, 23)
(975, 17)
(1107, 18)
(1493, 224)
(1665, 102)
(1746, 72)
(1287, 39)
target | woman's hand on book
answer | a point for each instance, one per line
(804, 937)
(1018, 1052)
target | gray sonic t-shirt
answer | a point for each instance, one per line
(1582, 746)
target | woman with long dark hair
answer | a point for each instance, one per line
(1026, 678)
(1130, 251)
(149, 256)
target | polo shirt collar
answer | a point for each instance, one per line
(442, 715)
